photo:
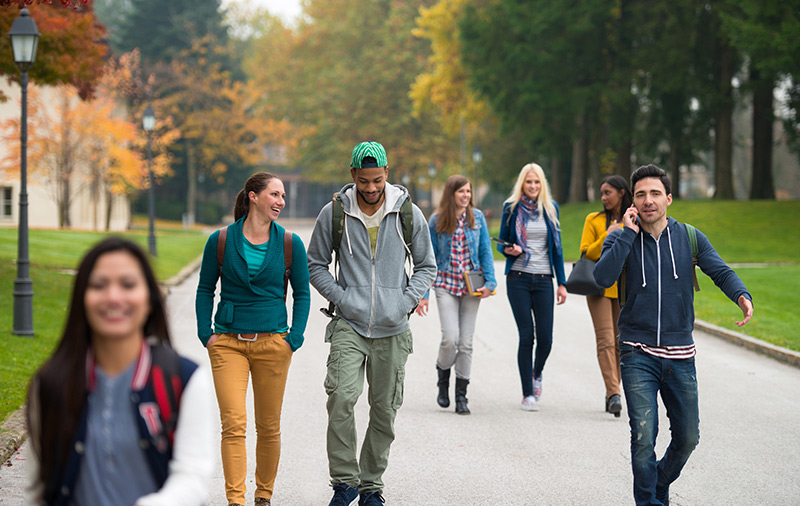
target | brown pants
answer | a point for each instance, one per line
(604, 313)
(233, 362)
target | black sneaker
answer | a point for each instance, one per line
(371, 499)
(614, 405)
(344, 495)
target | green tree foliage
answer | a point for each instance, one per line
(343, 74)
(162, 30)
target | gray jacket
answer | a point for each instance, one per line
(372, 294)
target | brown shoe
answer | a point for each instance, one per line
(262, 501)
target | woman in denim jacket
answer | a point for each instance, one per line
(460, 240)
(530, 224)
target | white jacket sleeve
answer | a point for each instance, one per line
(193, 457)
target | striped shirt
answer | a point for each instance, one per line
(452, 277)
(670, 352)
(539, 262)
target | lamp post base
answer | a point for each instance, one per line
(23, 307)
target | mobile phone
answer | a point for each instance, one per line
(505, 244)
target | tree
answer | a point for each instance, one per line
(768, 32)
(71, 49)
(343, 77)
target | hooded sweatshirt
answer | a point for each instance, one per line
(659, 307)
(371, 293)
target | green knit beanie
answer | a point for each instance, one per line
(368, 149)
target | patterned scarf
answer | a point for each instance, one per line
(528, 210)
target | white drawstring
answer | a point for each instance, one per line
(347, 234)
(671, 254)
(641, 242)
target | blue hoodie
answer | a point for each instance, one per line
(659, 294)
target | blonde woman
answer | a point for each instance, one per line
(530, 224)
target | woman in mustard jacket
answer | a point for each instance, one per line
(616, 197)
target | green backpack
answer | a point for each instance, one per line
(692, 232)
(337, 218)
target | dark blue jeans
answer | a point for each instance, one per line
(528, 292)
(643, 377)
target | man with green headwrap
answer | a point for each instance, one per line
(374, 297)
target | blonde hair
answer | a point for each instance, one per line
(545, 201)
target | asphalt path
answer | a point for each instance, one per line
(570, 452)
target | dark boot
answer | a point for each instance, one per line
(444, 386)
(461, 396)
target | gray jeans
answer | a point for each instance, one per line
(457, 317)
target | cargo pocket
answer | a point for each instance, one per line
(399, 379)
(332, 377)
(330, 328)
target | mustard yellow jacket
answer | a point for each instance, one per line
(594, 233)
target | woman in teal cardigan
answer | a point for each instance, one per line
(250, 336)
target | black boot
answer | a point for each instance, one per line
(444, 386)
(461, 396)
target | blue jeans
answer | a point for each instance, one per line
(643, 376)
(528, 292)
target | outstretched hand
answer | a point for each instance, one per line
(747, 309)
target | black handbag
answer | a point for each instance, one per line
(581, 279)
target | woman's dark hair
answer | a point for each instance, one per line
(651, 171)
(620, 184)
(255, 183)
(448, 219)
(57, 393)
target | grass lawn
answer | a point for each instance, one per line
(53, 254)
(742, 232)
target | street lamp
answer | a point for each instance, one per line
(477, 157)
(432, 175)
(24, 41)
(149, 123)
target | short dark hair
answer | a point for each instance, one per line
(651, 171)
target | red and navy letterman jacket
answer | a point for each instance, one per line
(158, 381)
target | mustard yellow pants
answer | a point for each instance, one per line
(233, 362)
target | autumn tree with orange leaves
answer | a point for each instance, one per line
(71, 49)
(87, 146)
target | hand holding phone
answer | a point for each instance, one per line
(505, 244)
(631, 218)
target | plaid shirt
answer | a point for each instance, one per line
(452, 278)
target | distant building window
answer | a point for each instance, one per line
(5, 202)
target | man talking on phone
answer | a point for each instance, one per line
(655, 327)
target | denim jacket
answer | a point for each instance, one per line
(478, 242)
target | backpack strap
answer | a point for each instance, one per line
(622, 284)
(692, 233)
(167, 385)
(337, 217)
(287, 260)
(407, 222)
(221, 239)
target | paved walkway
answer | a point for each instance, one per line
(570, 452)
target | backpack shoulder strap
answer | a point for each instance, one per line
(221, 239)
(337, 217)
(165, 374)
(287, 260)
(407, 222)
(622, 283)
(692, 233)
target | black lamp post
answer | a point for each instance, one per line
(24, 41)
(477, 157)
(149, 123)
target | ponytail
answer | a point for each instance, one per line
(256, 184)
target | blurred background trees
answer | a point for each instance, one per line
(708, 90)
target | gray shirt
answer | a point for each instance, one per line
(114, 469)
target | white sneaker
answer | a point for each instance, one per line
(529, 404)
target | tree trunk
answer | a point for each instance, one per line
(577, 185)
(557, 179)
(622, 166)
(191, 193)
(762, 186)
(109, 208)
(723, 126)
(674, 167)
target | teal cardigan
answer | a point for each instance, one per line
(253, 305)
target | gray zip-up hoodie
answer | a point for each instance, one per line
(371, 293)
